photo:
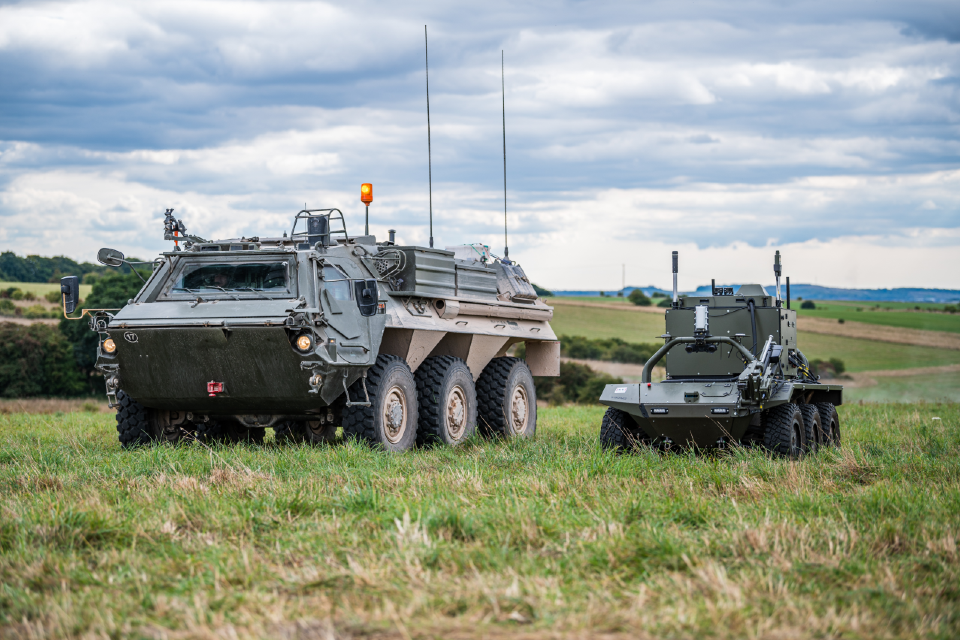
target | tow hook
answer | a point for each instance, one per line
(113, 385)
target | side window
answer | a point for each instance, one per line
(336, 283)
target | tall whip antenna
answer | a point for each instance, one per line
(503, 95)
(426, 53)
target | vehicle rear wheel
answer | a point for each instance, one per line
(812, 430)
(620, 432)
(783, 431)
(830, 421)
(391, 418)
(507, 399)
(447, 400)
(136, 424)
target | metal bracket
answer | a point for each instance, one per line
(365, 394)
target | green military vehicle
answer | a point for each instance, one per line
(315, 330)
(734, 373)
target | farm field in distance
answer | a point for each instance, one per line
(857, 354)
(904, 316)
(542, 539)
(43, 288)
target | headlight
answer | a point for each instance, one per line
(109, 345)
(304, 342)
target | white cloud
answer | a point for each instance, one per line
(829, 130)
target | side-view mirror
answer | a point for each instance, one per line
(110, 257)
(70, 290)
(367, 296)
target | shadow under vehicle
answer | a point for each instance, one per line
(316, 330)
(734, 374)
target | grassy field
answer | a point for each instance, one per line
(547, 538)
(42, 288)
(908, 319)
(599, 322)
(858, 355)
(942, 387)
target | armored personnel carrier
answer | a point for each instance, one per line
(317, 329)
(734, 373)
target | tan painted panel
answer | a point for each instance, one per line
(412, 345)
(482, 351)
(543, 358)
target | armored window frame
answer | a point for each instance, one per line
(168, 292)
(338, 290)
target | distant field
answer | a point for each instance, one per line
(598, 322)
(858, 355)
(543, 539)
(933, 306)
(41, 288)
(906, 319)
(943, 387)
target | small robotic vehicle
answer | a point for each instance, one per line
(308, 332)
(734, 374)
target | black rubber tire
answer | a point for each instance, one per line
(620, 432)
(366, 424)
(830, 421)
(783, 432)
(495, 393)
(136, 425)
(437, 378)
(289, 432)
(215, 431)
(812, 431)
(239, 433)
(312, 432)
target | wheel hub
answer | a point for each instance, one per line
(394, 414)
(456, 412)
(518, 409)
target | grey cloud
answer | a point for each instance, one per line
(309, 99)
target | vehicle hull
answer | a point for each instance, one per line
(703, 413)
(169, 368)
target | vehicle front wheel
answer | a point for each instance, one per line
(783, 431)
(136, 424)
(620, 432)
(507, 399)
(391, 419)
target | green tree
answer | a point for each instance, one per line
(639, 298)
(112, 291)
(543, 293)
(37, 360)
(808, 304)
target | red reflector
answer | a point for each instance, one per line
(648, 385)
(213, 388)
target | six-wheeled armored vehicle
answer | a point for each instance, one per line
(311, 331)
(734, 373)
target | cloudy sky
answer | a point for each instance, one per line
(724, 130)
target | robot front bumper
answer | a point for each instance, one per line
(704, 414)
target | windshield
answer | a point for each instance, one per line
(241, 277)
